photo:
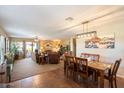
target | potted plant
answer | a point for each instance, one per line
(14, 50)
(62, 49)
(10, 58)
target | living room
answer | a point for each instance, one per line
(41, 38)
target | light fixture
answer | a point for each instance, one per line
(86, 33)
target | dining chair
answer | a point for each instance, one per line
(69, 66)
(82, 68)
(111, 75)
(91, 57)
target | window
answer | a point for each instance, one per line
(28, 48)
(2, 48)
(34, 46)
(7, 45)
(20, 48)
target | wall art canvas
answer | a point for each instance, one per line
(107, 42)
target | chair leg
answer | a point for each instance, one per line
(73, 75)
(69, 74)
(96, 76)
(9, 78)
(87, 82)
(115, 82)
(66, 72)
(76, 76)
(111, 83)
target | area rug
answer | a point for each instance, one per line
(27, 67)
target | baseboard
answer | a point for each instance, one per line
(121, 76)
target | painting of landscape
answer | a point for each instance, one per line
(107, 42)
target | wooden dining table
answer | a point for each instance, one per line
(101, 68)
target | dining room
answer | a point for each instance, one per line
(99, 40)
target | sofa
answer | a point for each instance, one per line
(53, 58)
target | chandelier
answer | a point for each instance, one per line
(86, 33)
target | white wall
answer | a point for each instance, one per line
(107, 55)
(2, 32)
(71, 44)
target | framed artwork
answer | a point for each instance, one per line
(107, 42)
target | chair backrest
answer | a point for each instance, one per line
(116, 66)
(69, 60)
(82, 64)
(93, 57)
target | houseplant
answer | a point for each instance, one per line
(63, 49)
(14, 50)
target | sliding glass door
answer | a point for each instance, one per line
(25, 48)
(34, 46)
(29, 48)
(20, 49)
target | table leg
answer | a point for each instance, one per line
(64, 67)
(101, 79)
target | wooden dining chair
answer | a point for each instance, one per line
(82, 68)
(92, 57)
(69, 66)
(111, 75)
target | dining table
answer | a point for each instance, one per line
(101, 67)
(98, 66)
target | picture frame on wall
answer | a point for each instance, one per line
(106, 42)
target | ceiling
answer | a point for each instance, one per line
(47, 22)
